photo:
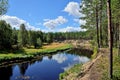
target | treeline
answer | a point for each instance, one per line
(12, 38)
(60, 36)
(20, 38)
(95, 14)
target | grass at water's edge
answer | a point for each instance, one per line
(72, 72)
(30, 53)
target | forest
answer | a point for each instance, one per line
(102, 29)
(95, 15)
(12, 38)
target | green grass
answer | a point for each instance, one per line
(74, 71)
(116, 67)
(31, 52)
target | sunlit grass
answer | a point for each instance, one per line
(31, 52)
(52, 47)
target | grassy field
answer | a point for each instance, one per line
(31, 52)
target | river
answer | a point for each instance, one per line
(46, 67)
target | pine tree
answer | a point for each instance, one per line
(5, 35)
(23, 36)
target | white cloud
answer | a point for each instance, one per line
(73, 9)
(54, 22)
(71, 29)
(16, 22)
(79, 59)
(60, 58)
(81, 22)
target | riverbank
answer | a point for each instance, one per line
(96, 69)
(28, 53)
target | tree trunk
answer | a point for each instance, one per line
(110, 41)
(97, 27)
(119, 40)
(101, 43)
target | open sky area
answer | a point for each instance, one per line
(45, 15)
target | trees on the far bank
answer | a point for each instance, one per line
(5, 35)
(23, 35)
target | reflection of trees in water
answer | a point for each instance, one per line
(81, 52)
(5, 73)
(39, 59)
(23, 67)
(50, 57)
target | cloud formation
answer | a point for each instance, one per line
(71, 29)
(54, 22)
(73, 9)
(81, 22)
(81, 59)
(60, 58)
(16, 22)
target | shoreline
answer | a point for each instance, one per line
(17, 58)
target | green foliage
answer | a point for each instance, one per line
(5, 35)
(14, 37)
(33, 38)
(116, 67)
(105, 76)
(3, 6)
(61, 36)
(23, 35)
(49, 38)
(39, 42)
(95, 52)
(116, 75)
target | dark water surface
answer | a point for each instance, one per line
(45, 68)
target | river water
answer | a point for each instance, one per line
(46, 67)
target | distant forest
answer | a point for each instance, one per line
(22, 38)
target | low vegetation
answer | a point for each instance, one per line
(71, 73)
(31, 52)
(116, 66)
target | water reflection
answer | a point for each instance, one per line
(23, 68)
(5, 73)
(81, 52)
(44, 67)
(60, 58)
(80, 59)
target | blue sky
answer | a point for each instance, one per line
(45, 15)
